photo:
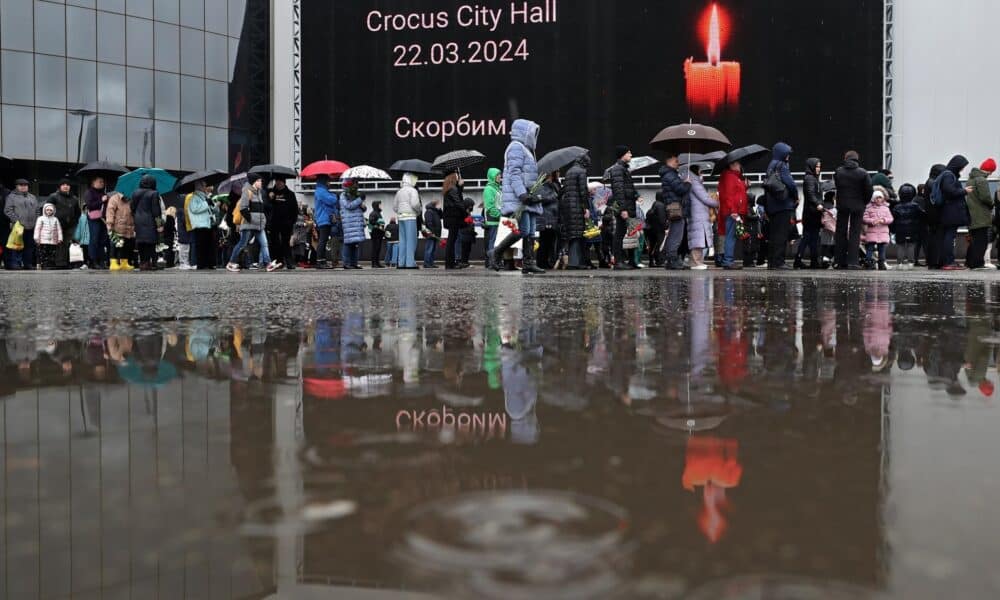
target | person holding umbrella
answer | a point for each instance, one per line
(520, 175)
(148, 221)
(96, 201)
(254, 222)
(352, 216)
(326, 215)
(454, 218)
(623, 201)
(676, 195)
(780, 205)
(284, 212)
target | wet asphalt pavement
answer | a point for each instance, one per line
(384, 435)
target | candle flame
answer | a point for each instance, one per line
(714, 47)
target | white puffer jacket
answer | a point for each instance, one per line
(48, 232)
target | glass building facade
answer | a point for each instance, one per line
(176, 84)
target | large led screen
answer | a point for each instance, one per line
(390, 79)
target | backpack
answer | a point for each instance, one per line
(774, 186)
(937, 199)
(237, 215)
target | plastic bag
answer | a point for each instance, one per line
(15, 241)
(75, 253)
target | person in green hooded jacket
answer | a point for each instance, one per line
(980, 203)
(491, 208)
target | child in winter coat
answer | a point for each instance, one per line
(828, 235)
(392, 243)
(48, 236)
(908, 220)
(877, 219)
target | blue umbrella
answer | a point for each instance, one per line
(129, 182)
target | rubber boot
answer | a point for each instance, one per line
(115, 265)
(126, 266)
(528, 266)
(499, 250)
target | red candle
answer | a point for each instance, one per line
(713, 84)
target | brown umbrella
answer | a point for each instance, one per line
(690, 137)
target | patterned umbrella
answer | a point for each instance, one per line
(364, 172)
(641, 162)
(459, 159)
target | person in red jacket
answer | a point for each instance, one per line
(732, 207)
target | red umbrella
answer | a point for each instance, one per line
(333, 168)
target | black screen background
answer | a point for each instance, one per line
(606, 73)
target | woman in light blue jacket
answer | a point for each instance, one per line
(352, 217)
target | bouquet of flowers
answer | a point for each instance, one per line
(741, 228)
(512, 225)
(116, 240)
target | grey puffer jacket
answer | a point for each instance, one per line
(252, 205)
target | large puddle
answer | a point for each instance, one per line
(590, 438)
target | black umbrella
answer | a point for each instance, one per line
(412, 165)
(557, 159)
(745, 154)
(459, 159)
(274, 172)
(102, 168)
(690, 137)
(210, 177)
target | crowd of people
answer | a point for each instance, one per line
(548, 221)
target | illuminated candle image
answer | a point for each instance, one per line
(714, 84)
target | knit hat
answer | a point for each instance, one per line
(989, 165)
(620, 151)
(65, 181)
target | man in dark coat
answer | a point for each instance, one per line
(674, 190)
(623, 199)
(148, 219)
(854, 191)
(574, 213)
(68, 213)
(656, 230)
(781, 206)
(954, 211)
(283, 211)
(376, 229)
(812, 215)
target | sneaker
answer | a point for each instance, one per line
(700, 268)
(255, 267)
(83, 267)
(233, 268)
(273, 266)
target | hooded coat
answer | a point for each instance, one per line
(732, 197)
(854, 186)
(48, 231)
(119, 217)
(980, 201)
(908, 216)
(699, 226)
(954, 211)
(252, 209)
(146, 210)
(326, 210)
(779, 163)
(520, 171)
(812, 215)
(492, 198)
(352, 218)
(673, 188)
(454, 208)
(406, 203)
(282, 208)
(550, 193)
(575, 200)
(877, 218)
